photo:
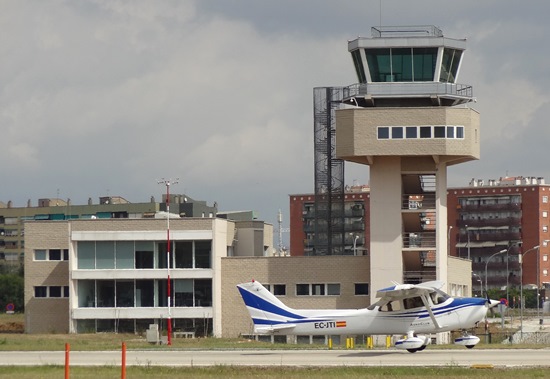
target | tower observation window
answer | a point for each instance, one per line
(402, 64)
(449, 65)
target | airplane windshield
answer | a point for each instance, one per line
(438, 297)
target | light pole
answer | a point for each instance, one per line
(487, 263)
(449, 240)
(480, 283)
(355, 245)
(521, 302)
(167, 183)
(508, 271)
(545, 242)
(468, 235)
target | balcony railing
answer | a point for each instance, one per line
(418, 201)
(419, 240)
(487, 222)
(489, 207)
(415, 277)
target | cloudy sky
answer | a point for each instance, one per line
(105, 97)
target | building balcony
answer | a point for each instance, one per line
(500, 281)
(489, 207)
(488, 223)
(416, 277)
(419, 240)
(418, 201)
(483, 237)
(495, 265)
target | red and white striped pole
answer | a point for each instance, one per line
(167, 183)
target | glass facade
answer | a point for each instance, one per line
(106, 255)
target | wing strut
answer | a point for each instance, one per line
(429, 309)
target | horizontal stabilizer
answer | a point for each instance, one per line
(273, 328)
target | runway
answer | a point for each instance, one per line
(319, 358)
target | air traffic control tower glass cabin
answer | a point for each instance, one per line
(408, 119)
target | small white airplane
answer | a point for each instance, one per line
(403, 309)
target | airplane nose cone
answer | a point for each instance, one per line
(492, 303)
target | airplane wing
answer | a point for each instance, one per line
(401, 291)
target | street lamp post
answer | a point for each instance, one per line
(355, 244)
(167, 183)
(487, 263)
(480, 283)
(468, 235)
(508, 270)
(449, 240)
(521, 301)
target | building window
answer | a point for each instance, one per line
(545, 272)
(545, 258)
(333, 289)
(51, 255)
(40, 291)
(55, 291)
(439, 131)
(411, 132)
(361, 288)
(397, 132)
(545, 199)
(55, 255)
(302, 289)
(545, 228)
(425, 132)
(383, 132)
(318, 289)
(40, 255)
(279, 289)
(544, 214)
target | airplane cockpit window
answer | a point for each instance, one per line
(391, 306)
(439, 297)
(413, 302)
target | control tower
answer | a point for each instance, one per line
(408, 120)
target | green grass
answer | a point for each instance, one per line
(229, 372)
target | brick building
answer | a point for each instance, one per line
(494, 222)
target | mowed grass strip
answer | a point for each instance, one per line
(230, 372)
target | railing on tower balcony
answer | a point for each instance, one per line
(415, 277)
(409, 88)
(419, 240)
(418, 201)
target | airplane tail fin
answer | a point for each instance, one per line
(268, 313)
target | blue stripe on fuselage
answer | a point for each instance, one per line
(257, 302)
(455, 304)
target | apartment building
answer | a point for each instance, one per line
(12, 217)
(495, 223)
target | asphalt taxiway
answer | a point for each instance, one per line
(318, 358)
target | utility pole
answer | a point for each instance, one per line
(167, 183)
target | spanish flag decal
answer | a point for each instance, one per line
(340, 324)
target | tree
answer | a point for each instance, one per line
(12, 291)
